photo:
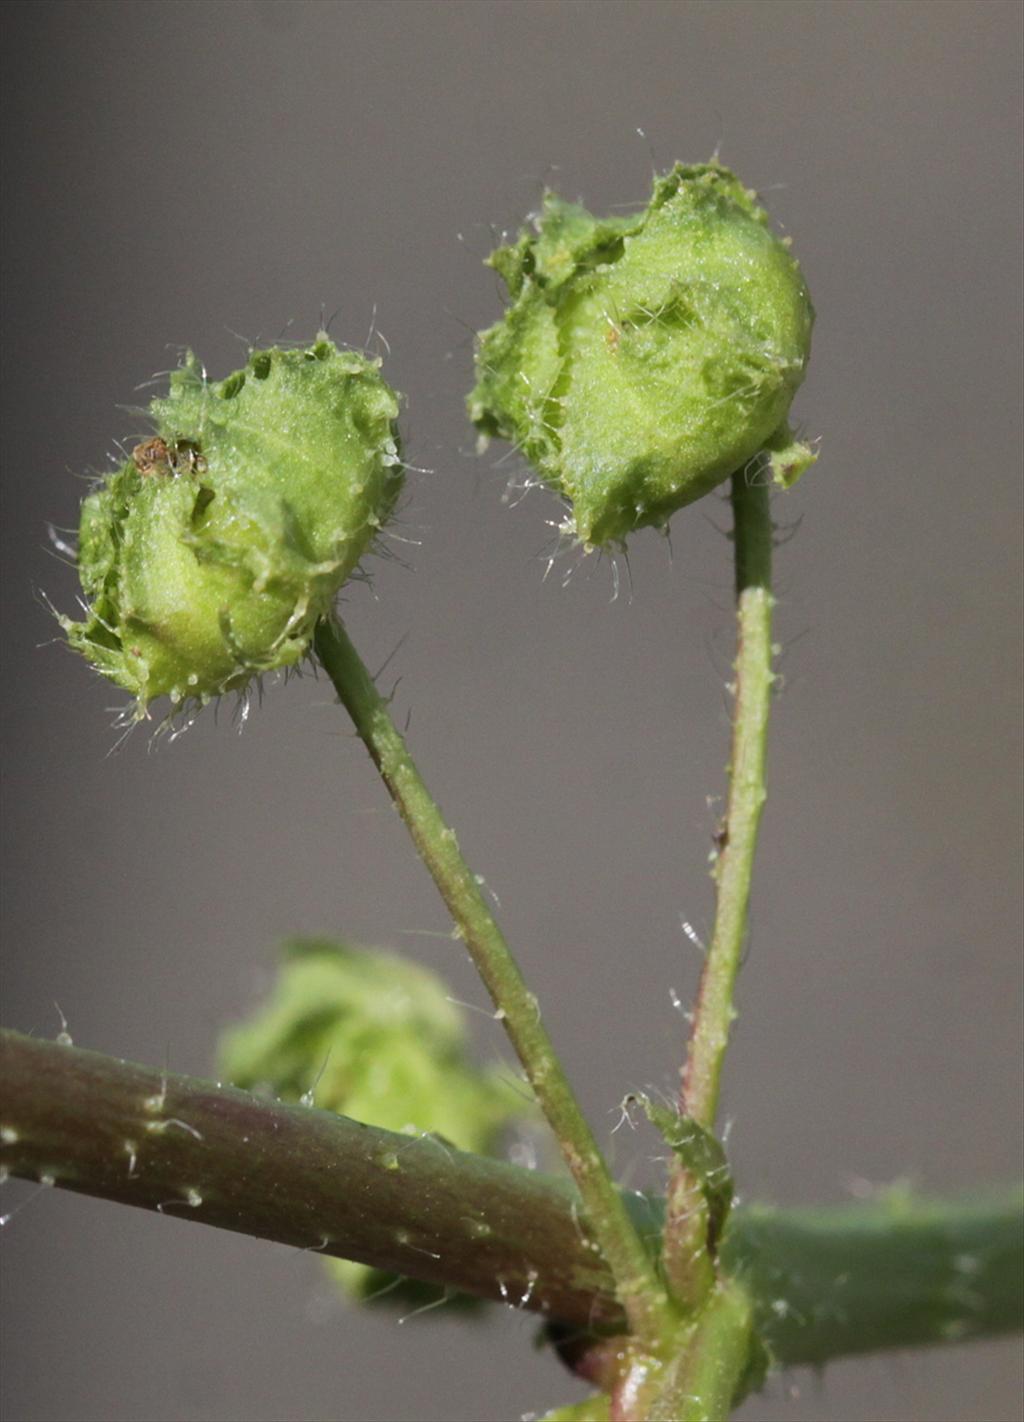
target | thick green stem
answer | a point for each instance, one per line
(704, 1380)
(714, 1012)
(895, 1272)
(637, 1283)
(215, 1155)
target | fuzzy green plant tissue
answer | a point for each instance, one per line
(208, 556)
(644, 359)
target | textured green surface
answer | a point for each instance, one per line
(208, 556)
(643, 359)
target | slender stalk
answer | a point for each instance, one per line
(688, 1250)
(714, 1012)
(637, 1283)
(826, 1282)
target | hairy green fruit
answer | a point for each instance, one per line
(644, 359)
(209, 555)
(373, 1036)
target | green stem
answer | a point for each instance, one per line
(897, 1271)
(714, 1012)
(705, 1379)
(194, 1150)
(636, 1281)
(688, 1246)
(827, 1282)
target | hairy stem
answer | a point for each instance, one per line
(704, 1379)
(714, 1012)
(301, 1176)
(688, 1264)
(637, 1283)
(895, 1272)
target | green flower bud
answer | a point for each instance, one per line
(208, 556)
(643, 359)
(375, 1037)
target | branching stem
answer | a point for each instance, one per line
(637, 1283)
(893, 1272)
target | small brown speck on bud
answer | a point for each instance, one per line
(153, 456)
(156, 456)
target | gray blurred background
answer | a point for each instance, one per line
(178, 173)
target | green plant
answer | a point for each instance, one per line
(642, 362)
